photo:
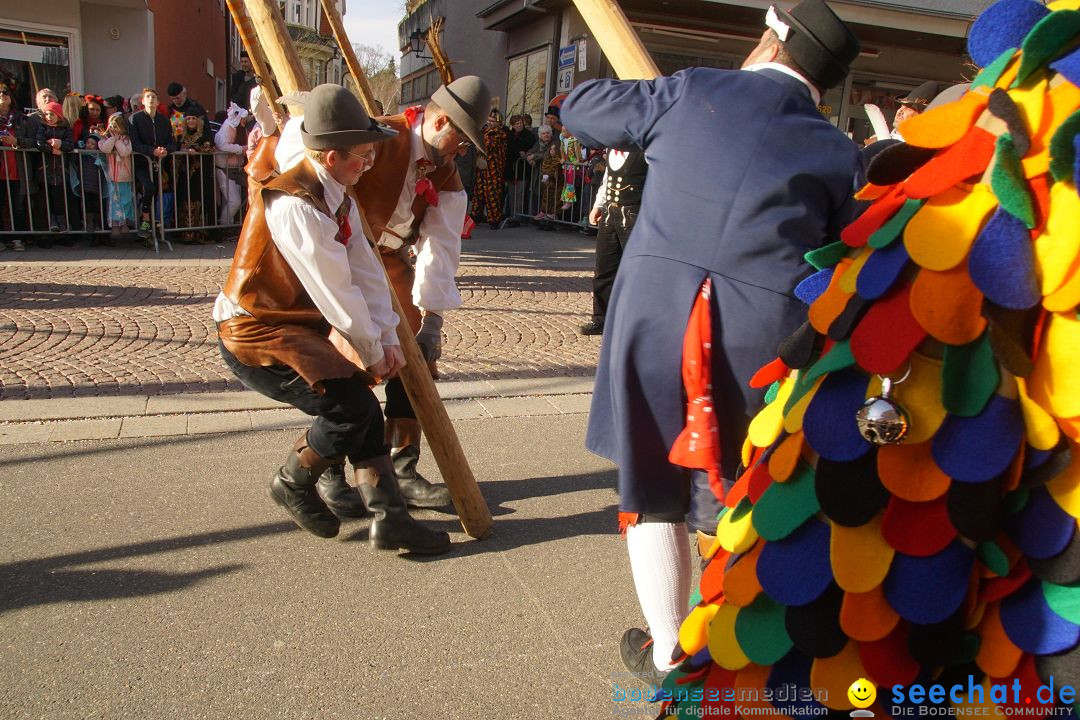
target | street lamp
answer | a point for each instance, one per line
(417, 41)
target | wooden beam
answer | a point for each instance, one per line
(620, 43)
(442, 439)
(259, 64)
(366, 95)
(272, 36)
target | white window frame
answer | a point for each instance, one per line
(74, 38)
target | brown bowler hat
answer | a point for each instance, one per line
(467, 102)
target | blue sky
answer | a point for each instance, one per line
(374, 22)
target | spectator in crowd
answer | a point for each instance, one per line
(573, 157)
(11, 192)
(242, 83)
(551, 183)
(551, 119)
(518, 143)
(91, 119)
(30, 170)
(119, 176)
(73, 105)
(231, 143)
(194, 181)
(110, 106)
(151, 135)
(535, 157)
(180, 104)
(54, 138)
(135, 104)
(490, 172)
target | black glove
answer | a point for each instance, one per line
(430, 337)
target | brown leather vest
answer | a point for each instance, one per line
(260, 280)
(380, 187)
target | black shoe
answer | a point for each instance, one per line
(636, 649)
(417, 491)
(592, 328)
(393, 528)
(343, 499)
(293, 488)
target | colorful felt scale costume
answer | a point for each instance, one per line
(844, 553)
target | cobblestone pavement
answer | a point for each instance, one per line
(75, 330)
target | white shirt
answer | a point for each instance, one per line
(814, 94)
(438, 250)
(346, 282)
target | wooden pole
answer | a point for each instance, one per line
(272, 36)
(621, 45)
(366, 95)
(259, 63)
(468, 501)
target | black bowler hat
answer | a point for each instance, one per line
(921, 96)
(816, 39)
(467, 102)
(334, 119)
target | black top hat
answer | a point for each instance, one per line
(817, 40)
(334, 119)
(467, 102)
(921, 96)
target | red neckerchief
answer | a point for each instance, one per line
(698, 445)
(424, 187)
(344, 230)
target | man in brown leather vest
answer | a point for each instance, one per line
(303, 267)
(415, 203)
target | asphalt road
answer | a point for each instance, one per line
(154, 578)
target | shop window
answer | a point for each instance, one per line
(31, 60)
(670, 63)
(526, 85)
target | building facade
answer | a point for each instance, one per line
(115, 47)
(546, 48)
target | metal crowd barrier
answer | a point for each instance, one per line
(55, 197)
(532, 198)
(209, 193)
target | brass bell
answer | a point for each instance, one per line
(881, 420)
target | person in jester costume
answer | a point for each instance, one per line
(908, 512)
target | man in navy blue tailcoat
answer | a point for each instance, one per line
(745, 176)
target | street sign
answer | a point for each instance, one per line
(567, 56)
(566, 80)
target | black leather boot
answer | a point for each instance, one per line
(393, 528)
(293, 488)
(403, 434)
(341, 497)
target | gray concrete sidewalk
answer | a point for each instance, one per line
(109, 418)
(154, 578)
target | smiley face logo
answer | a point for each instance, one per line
(862, 693)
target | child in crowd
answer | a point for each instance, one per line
(54, 139)
(88, 181)
(119, 178)
(194, 183)
(551, 179)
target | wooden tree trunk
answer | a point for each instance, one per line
(621, 45)
(366, 95)
(259, 63)
(442, 439)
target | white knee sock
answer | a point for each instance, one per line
(660, 563)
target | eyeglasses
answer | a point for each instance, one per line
(5, 92)
(368, 157)
(465, 144)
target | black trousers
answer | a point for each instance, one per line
(348, 420)
(612, 234)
